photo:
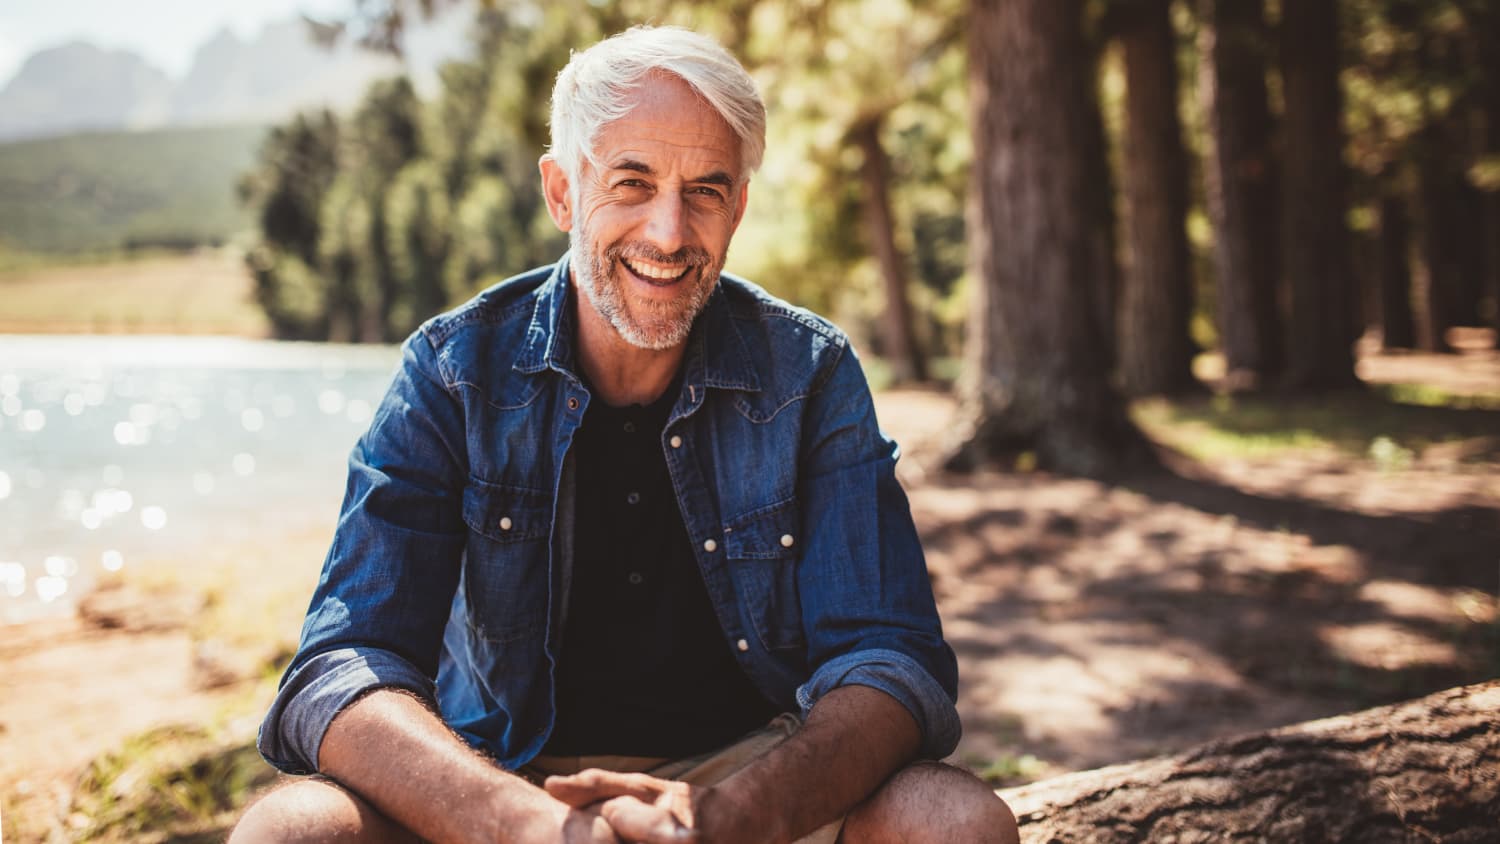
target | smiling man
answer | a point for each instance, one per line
(623, 557)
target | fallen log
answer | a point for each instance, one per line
(1424, 770)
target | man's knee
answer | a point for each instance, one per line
(315, 810)
(930, 801)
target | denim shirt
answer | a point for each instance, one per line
(448, 572)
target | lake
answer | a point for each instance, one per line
(119, 450)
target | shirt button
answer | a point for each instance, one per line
(572, 402)
(676, 441)
(710, 546)
(635, 578)
(742, 645)
(629, 427)
(505, 523)
(633, 498)
(787, 540)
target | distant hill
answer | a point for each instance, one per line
(111, 190)
(80, 86)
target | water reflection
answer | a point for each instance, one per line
(141, 448)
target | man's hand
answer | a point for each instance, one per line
(583, 825)
(642, 808)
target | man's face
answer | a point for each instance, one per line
(655, 216)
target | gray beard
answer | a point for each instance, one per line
(656, 326)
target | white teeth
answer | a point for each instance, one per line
(649, 271)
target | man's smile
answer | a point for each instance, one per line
(660, 275)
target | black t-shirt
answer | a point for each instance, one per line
(645, 668)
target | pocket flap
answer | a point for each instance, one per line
(769, 533)
(506, 513)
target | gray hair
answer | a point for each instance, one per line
(591, 91)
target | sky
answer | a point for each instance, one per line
(165, 32)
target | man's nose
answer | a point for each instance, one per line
(666, 228)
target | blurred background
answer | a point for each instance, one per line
(1256, 241)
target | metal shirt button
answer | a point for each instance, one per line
(676, 441)
(572, 402)
(505, 523)
(710, 546)
(742, 645)
(787, 540)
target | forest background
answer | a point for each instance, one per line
(1190, 308)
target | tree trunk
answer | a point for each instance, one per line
(900, 336)
(1426, 770)
(1439, 234)
(1100, 210)
(1155, 351)
(1315, 238)
(1489, 54)
(1394, 270)
(1037, 368)
(1240, 182)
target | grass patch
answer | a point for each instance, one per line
(1010, 769)
(1390, 425)
(170, 784)
(197, 293)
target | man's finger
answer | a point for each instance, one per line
(635, 820)
(588, 787)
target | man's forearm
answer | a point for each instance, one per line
(855, 737)
(397, 754)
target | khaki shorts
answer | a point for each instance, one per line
(704, 769)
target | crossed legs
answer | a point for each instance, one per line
(924, 802)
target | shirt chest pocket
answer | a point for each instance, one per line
(506, 565)
(763, 554)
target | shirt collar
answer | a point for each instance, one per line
(719, 354)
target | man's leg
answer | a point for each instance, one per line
(316, 810)
(931, 802)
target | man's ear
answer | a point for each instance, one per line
(555, 191)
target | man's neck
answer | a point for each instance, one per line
(620, 373)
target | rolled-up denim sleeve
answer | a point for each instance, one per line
(867, 602)
(377, 616)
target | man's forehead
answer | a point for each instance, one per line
(667, 122)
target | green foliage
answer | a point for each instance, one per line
(370, 224)
(107, 191)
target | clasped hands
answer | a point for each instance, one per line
(644, 809)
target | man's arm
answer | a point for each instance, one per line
(395, 753)
(853, 740)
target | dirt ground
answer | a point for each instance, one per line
(1093, 623)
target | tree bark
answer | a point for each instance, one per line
(1315, 238)
(1100, 210)
(1438, 237)
(1489, 53)
(900, 335)
(1155, 351)
(1398, 330)
(1241, 189)
(1037, 368)
(1425, 770)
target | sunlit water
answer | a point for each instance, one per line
(119, 450)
